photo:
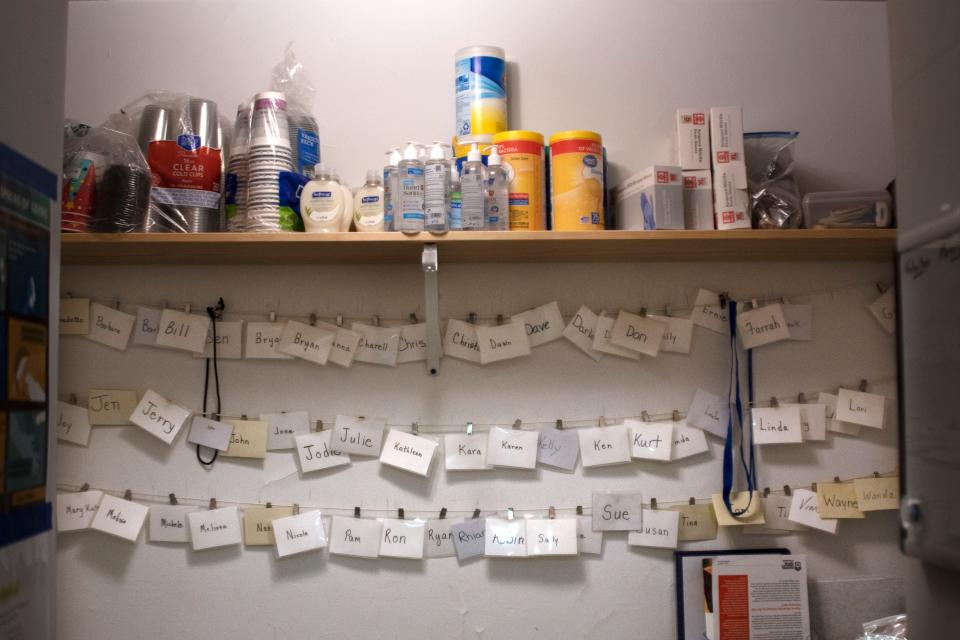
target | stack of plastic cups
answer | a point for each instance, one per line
(269, 154)
(301, 123)
(156, 124)
(238, 168)
(205, 125)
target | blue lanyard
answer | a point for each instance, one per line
(749, 470)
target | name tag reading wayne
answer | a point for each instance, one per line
(513, 448)
(604, 446)
(838, 500)
(159, 417)
(73, 424)
(305, 342)
(361, 437)
(642, 334)
(502, 342)
(110, 327)
(582, 331)
(765, 325)
(464, 452)
(74, 316)
(185, 331)
(408, 452)
(542, 324)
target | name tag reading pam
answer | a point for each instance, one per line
(408, 452)
(464, 452)
(185, 331)
(765, 325)
(604, 446)
(542, 324)
(305, 342)
(358, 436)
(513, 448)
(502, 342)
(460, 341)
(582, 331)
(639, 333)
(617, 511)
(110, 327)
(357, 537)
(214, 528)
(74, 316)
(159, 417)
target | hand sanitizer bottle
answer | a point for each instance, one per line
(411, 190)
(368, 204)
(456, 202)
(436, 190)
(321, 202)
(391, 188)
(497, 198)
(471, 190)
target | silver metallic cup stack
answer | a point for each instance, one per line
(203, 119)
(269, 154)
(239, 168)
(157, 123)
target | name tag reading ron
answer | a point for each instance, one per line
(110, 327)
(582, 331)
(408, 452)
(758, 327)
(402, 538)
(502, 342)
(639, 333)
(604, 446)
(185, 331)
(159, 417)
(542, 324)
(617, 511)
(74, 316)
(305, 342)
(513, 448)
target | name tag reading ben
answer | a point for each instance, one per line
(229, 341)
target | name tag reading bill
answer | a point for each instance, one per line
(184, 331)
(515, 448)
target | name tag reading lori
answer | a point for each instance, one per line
(859, 407)
(502, 342)
(185, 331)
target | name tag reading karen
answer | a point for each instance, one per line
(408, 452)
(74, 316)
(758, 327)
(604, 446)
(168, 523)
(357, 537)
(262, 340)
(464, 452)
(110, 327)
(73, 424)
(184, 331)
(460, 341)
(659, 529)
(159, 417)
(542, 324)
(378, 345)
(514, 448)
(552, 537)
(502, 342)
(120, 518)
(75, 511)
(111, 406)
(360, 437)
(284, 427)
(639, 333)
(582, 331)
(617, 511)
(214, 528)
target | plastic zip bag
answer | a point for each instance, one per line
(774, 193)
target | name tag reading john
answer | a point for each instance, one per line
(642, 334)
(542, 324)
(408, 452)
(514, 448)
(360, 437)
(185, 331)
(74, 316)
(305, 342)
(765, 325)
(604, 446)
(502, 342)
(110, 327)
(617, 511)
(582, 331)
(159, 417)
(248, 440)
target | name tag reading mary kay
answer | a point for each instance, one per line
(75, 511)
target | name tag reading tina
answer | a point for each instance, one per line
(542, 324)
(582, 331)
(642, 334)
(110, 327)
(604, 446)
(502, 342)
(185, 331)
(697, 522)
(74, 316)
(159, 417)
(408, 452)
(515, 448)
(758, 327)
(356, 436)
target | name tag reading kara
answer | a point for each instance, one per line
(464, 452)
(229, 341)
(552, 537)
(262, 340)
(617, 511)
(604, 446)
(884, 309)
(813, 420)
(345, 344)
(168, 523)
(159, 417)
(147, 326)
(214, 528)
(73, 424)
(804, 510)
(659, 529)
(651, 440)
(601, 339)
(120, 518)
(765, 325)
(413, 343)
(75, 511)
(356, 436)
(283, 427)
(709, 413)
(299, 534)
(799, 319)
(858, 407)
(305, 342)
(502, 342)
(877, 494)
(185, 331)
(468, 538)
(582, 331)
(210, 433)
(838, 500)
(777, 425)
(514, 448)
(248, 440)
(402, 538)
(258, 524)
(110, 327)
(355, 537)
(460, 341)
(542, 324)
(687, 442)
(559, 448)
(678, 336)
(408, 452)
(708, 313)
(697, 522)
(438, 539)
(74, 316)
(505, 538)
(642, 334)
(110, 407)
(378, 345)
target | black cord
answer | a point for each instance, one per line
(214, 313)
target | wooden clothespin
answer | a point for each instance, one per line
(645, 416)
(499, 319)
(863, 385)
(187, 308)
(724, 297)
(400, 513)
(552, 513)
(376, 320)
(667, 310)
(72, 399)
(318, 426)
(643, 312)
(116, 302)
(313, 319)
(356, 512)
(601, 421)
(472, 317)
(559, 424)
(173, 499)
(476, 513)
(269, 505)
(273, 316)
(443, 513)
(836, 479)
(85, 487)
(801, 398)
(517, 423)
(692, 500)
(653, 503)
(774, 403)
(128, 495)
(243, 416)
(413, 318)
(766, 491)
(296, 508)
(675, 416)
(787, 491)
(415, 428)
(213, 503)
(813, 487)
(339, 319)
(579, 509)
(876, 474)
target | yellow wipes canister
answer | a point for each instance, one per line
(576, 181)
(522, 156)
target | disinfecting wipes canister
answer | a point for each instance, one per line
(481, 91)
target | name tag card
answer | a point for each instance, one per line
(412, 346)
(168, 523)
(120, 518)
(408, 452)
(468, 538)
(552, 537)
(776, 425)
(617, 511)
(464, 452)
(74, 316)
(878, 494)
(687, 442)
(559, 448)
(603, 446)
(402, 538)
(159, 417)
(258, 525)
(502, 342)
(73, 424)
(799, 319)
(505, 538)
(708, 313)
(147, 326)
(438, 539)
(262, 340)
(829, 401)
(110, 327)
(776, 513)
(185, 331)
(378, 345)
(884, 309)
(697, 522)
(315, 452)
(660, 529)
(229, 341)
(248, 440)
(359, 437)
(300, 533)
(513, 448)
(862, 408)
(345, 344)
(110, 406)
(305, 342)
(652, 440)
(542, 324)
(739, 501)
(813, 421)
(460, 341)
(356, 537)
(588, 540)
(601, 339)
(210, 433)
(765, 325)
(642, 334)
(582, 331)
(804, 510)
(214, 528)
(75, 511)
(838, 500)
(283, 427)
(678, 335)
(709, 412)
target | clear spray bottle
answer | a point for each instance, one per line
(456, 201)
(472, 191)
(436, 190)
(496, 197)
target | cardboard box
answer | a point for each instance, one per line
(652, 199)
(726, 135)
(698, 200)
(730, 202)
(693, 138)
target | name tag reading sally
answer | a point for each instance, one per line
(513, 448)
(678, 336)
(601, 339)
(709, 412)
(502, 342)
(357, 537)
(168, 523)
(552, 537)
(604, 446)
(582, 331)
(765, 325)
(659, 529)
(559, 448)
(210, 433)
(858, 407)
(111, 406)
(185, 331)
(284, 427)
(159, 417)
(639, 333)
(75, 511)
(776, 425)
(464, 452)
(229, 341)
(460, 341)
(617, 511)
(305, 342)
(110, 327)
(74, 316)
(413, 343)
(214, 528)
(408, 452)
(262, 340)
(147, 326)
(378, 345)
(358, 436)
(542, 324)
(120, 518)
(248, 440)
(505, 538)
(299, 534)
(73, 424)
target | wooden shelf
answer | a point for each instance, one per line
(481, 246)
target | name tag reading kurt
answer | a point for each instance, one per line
(659, 529)
(361, 437)
(74, 316)
(185, 331)
(617, 511)
(73, 424)
(75, 511)
(284, 427)
(110, 327)
(762, 326)
(355, 537)
(120, 518)
(408, 452)
(214, 528)
(159, 417)
(604, 446)
(262, 340)
(464, 452)
(552, 537)
(168, 523)
(513, 448)
(642, 334)
(559, 448)
(582, 331)
(305, 342)
(502, 342)
(777, 425)
(110, 406)
(542, 324)
(652, 440)
(248, 440)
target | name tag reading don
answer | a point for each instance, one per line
(299, 534)
(858, 407)
(75, 511)
(262, 340)
(74, 316)
(708, 313)
(542, 324)
(601, 339)
(639, 333)
(185, 331)
(502, 342)
(604, 446)
(357, 537)
(513, 448)
(758, 327)
(168, 523)
(678, 336)
(358, 436)
(147, 326)
(111, 406)
(617, 511)
(229, 341)
(582, 331)
(505, 538)
(378, 345)
(210, 433)
(159, 417)
(659, 529)
(464, 452)
(460, 341)
(214, 528)
(258, 524)
(776, 425)
(73, 424)
(305, 342)
(651, 440)
(248, 440)
(408, 452)
(110, 327)
(412, 346)
(552, 537)
(559, 448)
(284, 427)
(120, 518)
(709, 413)
(345, 344)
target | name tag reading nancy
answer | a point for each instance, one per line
(799, 319)
(358, 436)
(460, 341)
(813, 420)
(357, 537)
(283, 427)
(402, 538)
(502, 342)
(412, 346)
(697, 522)
(884, 309)
(110, 327)
(877, 494)
(258, 524)
(168, 523)
(147, 326)
(617, 511)
(305, 342)
(299, 534)
(110, 406)
(659, 529)
(248, 440)
(378, 345)
(708, 313)
(651, 440)
(601, 339)
(765, 325)
(858, 407)
(582, 331)
(542, 324)
(804, 510)
(262, 340)
(776, 425)
(185, 331)
(468, 538)
(408, 452)
(214, 528)
(559, 448)
(709, 413)
(73, 424)
(678, 335)
(74, 316)
(210, 433)
(75, 511)
(687, 442)
(464, 452)
(642, 334)
(159, 417)
(838, 500)
(120, 518)
(552, 537)
(505, 538)
(604, 446)
(438, 539)
(229, 341)
(513, 448)
(588, 540)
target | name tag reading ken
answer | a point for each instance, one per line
(248, 440)
(73, 424)
(299, 534)
(412, 346)
(651, 440)
(402, 538)
(438, 539)
(739, 502)
(859, 407)
(687, 442)
(110, 327)
(678, 336)
(460, 341)
(709, 413)
(617, 511)
(708, 313)
(359, 436)
(120, 518)
(185, 331)
(502, 342)
(697, 522)
(378, 345)
(345, 344)
(659, 529)
(559, 448)
(258, 524)
(357, 537)
(552, 537)
(838, 500)
(505, 538)
(229, 341)
(542, 324)
(464, 452)
(159, 417)
(305, 342)
(210, 433)
(468, 538)
(765, 325)
(601, 339)
(639, 333)
(168, 523)
(110, 406)
(75, 511)
(804, 510)
(604, 446)
(514, 448)
(74, 316)
(284, 427)
(582, 332)
(408, 452)
(214, 528)
(777, 425)
(878, 494)
(262, 340)
(147, 326)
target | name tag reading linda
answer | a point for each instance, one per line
(283, 427)
(651, 440)
(74, 316)
(357, 537)
(709, 413)
(378, 345)
(514, 448)
(408, 452)
(678, 336)
(110, 406)
(460, 341)
(505, 538)
(559, 448)
(780, 425)
(110, 327)
(659, 529)
(617, 511)
(361, 437)
(147, 326)
(603, 332)
(438, 539)
(262, 340)
(75, 511)
(73, 424)
(248, 440)
(168, 523)
(214, 528)
(258, 524)
(642, 334)
(502, 342)
(229, 341)
(582, 331)
(412, 346)
(184, 331)
(468, 538)
(862, 408)
(804, 509)
(159, 417)
(542, 324)
(552, 537)
(402, 538)
(604, 446)
(464, 452)
(299, 534)
(120, 518)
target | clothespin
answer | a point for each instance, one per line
(413, 318)
(476, 513)
(774, 403)
(187, 308)
(754, 303)
(499, 319)
(723, 300)
(67, 294)
(415, 428)
(319, 426)
(509, 513)
(579, 509)
(643, 312)
(653, 503)
(128, 495)
(218, 309)
(469, 428)
(836, 479)
(552, 513)
(376, 320)
(766, 491)
(675, 416)
(400, 513)
(472, 317)
(787, 491)
(692, 500)
(801, 398)
(213, 503)
(116, 303)
(296, 508)
(668, 310)
(85, 487)
(876, 474)
(173, 499)
(645, 416)
(269, 505)
(783, 300)
(443, 513)
(813, 487)
(273, 316)
(356, 512)
(313, 319)
(243, 416)
(881, 288)
(339, 319)
(601, 422)
(559, 424)
(72, 399)
(163, 304)
(517, 423)
(863, 384)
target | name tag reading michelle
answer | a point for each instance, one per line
(709, 413)
(258, 524)
(884, 309)
(248, 440)
(601, 339)
(147, 326)
(642, 334)
(110, 327)
(305, 342)
(804, 510)
(110, 406)
(858, 407)
(74, 316)
(559, 448)
(210, 433)
(262, 340)
(168, 523)
(604, 446)
(678, 335)
(765, 325)
(159, 417)
(413, 343)
(357, 537)
(284, 427)
(120, 518)
(505, 538)
(345, 344)
(502, 342)
(299, 534)
(73, 424)
(229, 341)
(617, 511)
(687, 442)
(652, 440)
(552, 537)
(361, 437)
(402, 538)
(464, 452)
(378, 345)
(582, 331)
(708, 313)
(460, 341)
(315, 452)
(542, 324)
(468, 538)
(408, 452)
(659, 529)
(515, 448)
(776, 425)
(184, 331)
(75, 511)
(214, 528)
(438, 539)
(799, 319)
(838, 500)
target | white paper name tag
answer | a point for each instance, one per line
(402, 538)
(408, 452)
(75, 511)
(502, 342)
(859, 407)
(559, 448)
(804, 510)
(210, 433)
(639, 333)
(678, 335)
(514, 448)
(464, 452)
(229, 341)
(552, 537)
(299, 533)
(356, 537)
(345, 344)
(765, 325)
(813, 420)
(305, 342)
(168, 523)
(120, 518)
(262, 340)
(74, 316)
(776, 425)
(709, 412)
(776, 512)
(829, 400)
(284, 427)
(185, 331)
(438, 539)
(315, 452)
(708, 313)
(214, 528)
(468, 538)
(505, 538)
(687, 441)
(659, 529)
(582, 331)
(159, 417)
(378, 345)
(110, 327)
(542, 324)
(799, 319)
(110, 406)
(358, 437)
(73, 424)
(147, 326)
(884, 309)
(460, 341)
(412, 346)
(617, 511)
(601, 339)
(602, 446)
(589, 541)
(651, 440)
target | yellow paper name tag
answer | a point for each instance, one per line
(111, 406)
(738, 501)
(697, 522)
(877, 494)
(258, 524)
(837, 500)
(249, 439)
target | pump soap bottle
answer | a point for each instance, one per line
(497, 197)
(368, 204)
(321, 202)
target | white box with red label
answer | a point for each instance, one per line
(693, 138)
(731, 204)
(698, 200)
(652, 199)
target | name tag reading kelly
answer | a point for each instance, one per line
(582, 331)
(110, 406)
(299, 534)
(652, 440)
(559, 448)
(258, 524)
(804, 510)
(603, 446)
(73, 424)
(185, 331)
(799, 319)
(468, 538)
(642, 334)
(552, 537)
(210, 433)
(708, 313)
(660, 529)
(356, 436)
(262, 340)
(75, 511)
(829, 401)
(305, 342)
(542, 324)
(120, 518)
(229, 341)
(284, 427)
(687, 442)
(697, 522)
(159, 417)
(678, 335)
(460, 341)
(617, 511)
(168, 523)
(813, 420)
(739, 501)
(378, 345)
(884, 309)
(74, 316)
(515, 448)
(505, 538)
(248, 440)
(412, 346)
(601, 339)
(588, 540)
(214, 528)
(402, 538)
(355, 537)
(709, 412)
(502, 342)
(777, 425)
(438, 539)
(860, 408)
(408, 452)
(110, 327)
(878, 494)
(838, 500)
(765, 325)
(345, 344)
(147, 326)
(464, 452)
